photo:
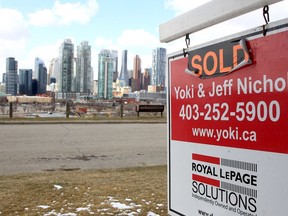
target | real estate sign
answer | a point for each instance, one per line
(228, 126)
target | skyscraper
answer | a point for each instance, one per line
(84, 76)
(40, 74)
(158, 67)
(124, 72)
(4, 78)
(115, 64)
(25, 82)
(66, 61)
(145, 79)
(105, 74)
(37, 62)
(54, 69)
(136, 74)
(11, 76)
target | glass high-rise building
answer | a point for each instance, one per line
(136, 77)
(105, 74)
(66, 66)
(115, 64)
(54, 69)
(11, 76)
(158, 75)
(124, 72)
(25, 82)
(40, 74)
(84, 76)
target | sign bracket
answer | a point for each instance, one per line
(266, 18)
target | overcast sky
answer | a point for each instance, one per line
(32, 28)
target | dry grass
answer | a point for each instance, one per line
(142, 190)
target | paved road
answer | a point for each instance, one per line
(49, 147)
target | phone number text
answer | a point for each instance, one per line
(249, 111)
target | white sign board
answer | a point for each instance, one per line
(228, 118)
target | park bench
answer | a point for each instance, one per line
(149, 108)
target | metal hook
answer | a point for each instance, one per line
(187, 41)
(266, 14)
(266, 18)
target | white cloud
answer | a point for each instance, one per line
(137, 37)
(64, 14)
(43, 17)
(12, 25)
(181, 6)
(13, 36)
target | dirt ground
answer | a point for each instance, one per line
(129, 191)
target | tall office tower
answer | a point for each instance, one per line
(11, 76)
(136, 74)
(4, 78)
(25, 82)
(84, 76)
(158, 67)
(105, 74)
(37, 62)
(115, 64)
(53, 70)
(145, 79)
(124, 72)
(74, 86)
(66, 66)
(40, 73)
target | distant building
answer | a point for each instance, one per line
(11, 76)
(34, 86)
(145, 79)
(136, 74)
(158, 67)
(4, 78)
(25, 82)
(115, 64)
(40, 74)
(66, 66)
(2, 88)
(105, 74)
(84, 76)
(95, 87)
(53, 70)
(124, 72)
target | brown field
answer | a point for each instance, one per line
(130, 191)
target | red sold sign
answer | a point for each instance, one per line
(232, 117)
(246, 109)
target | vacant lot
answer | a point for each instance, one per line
(131, 191)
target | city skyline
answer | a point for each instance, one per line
(37, 29)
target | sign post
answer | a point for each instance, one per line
(228, 126)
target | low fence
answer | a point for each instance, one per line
(101, 109)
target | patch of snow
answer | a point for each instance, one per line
(43, 206)
(58, 187)
(132, 214)
(58, 214)
(104, 209)
(67, 214)
(53, 212)
(82, 209)
(160, 205)
(152, 214)
(120, 205)
(112, 199)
